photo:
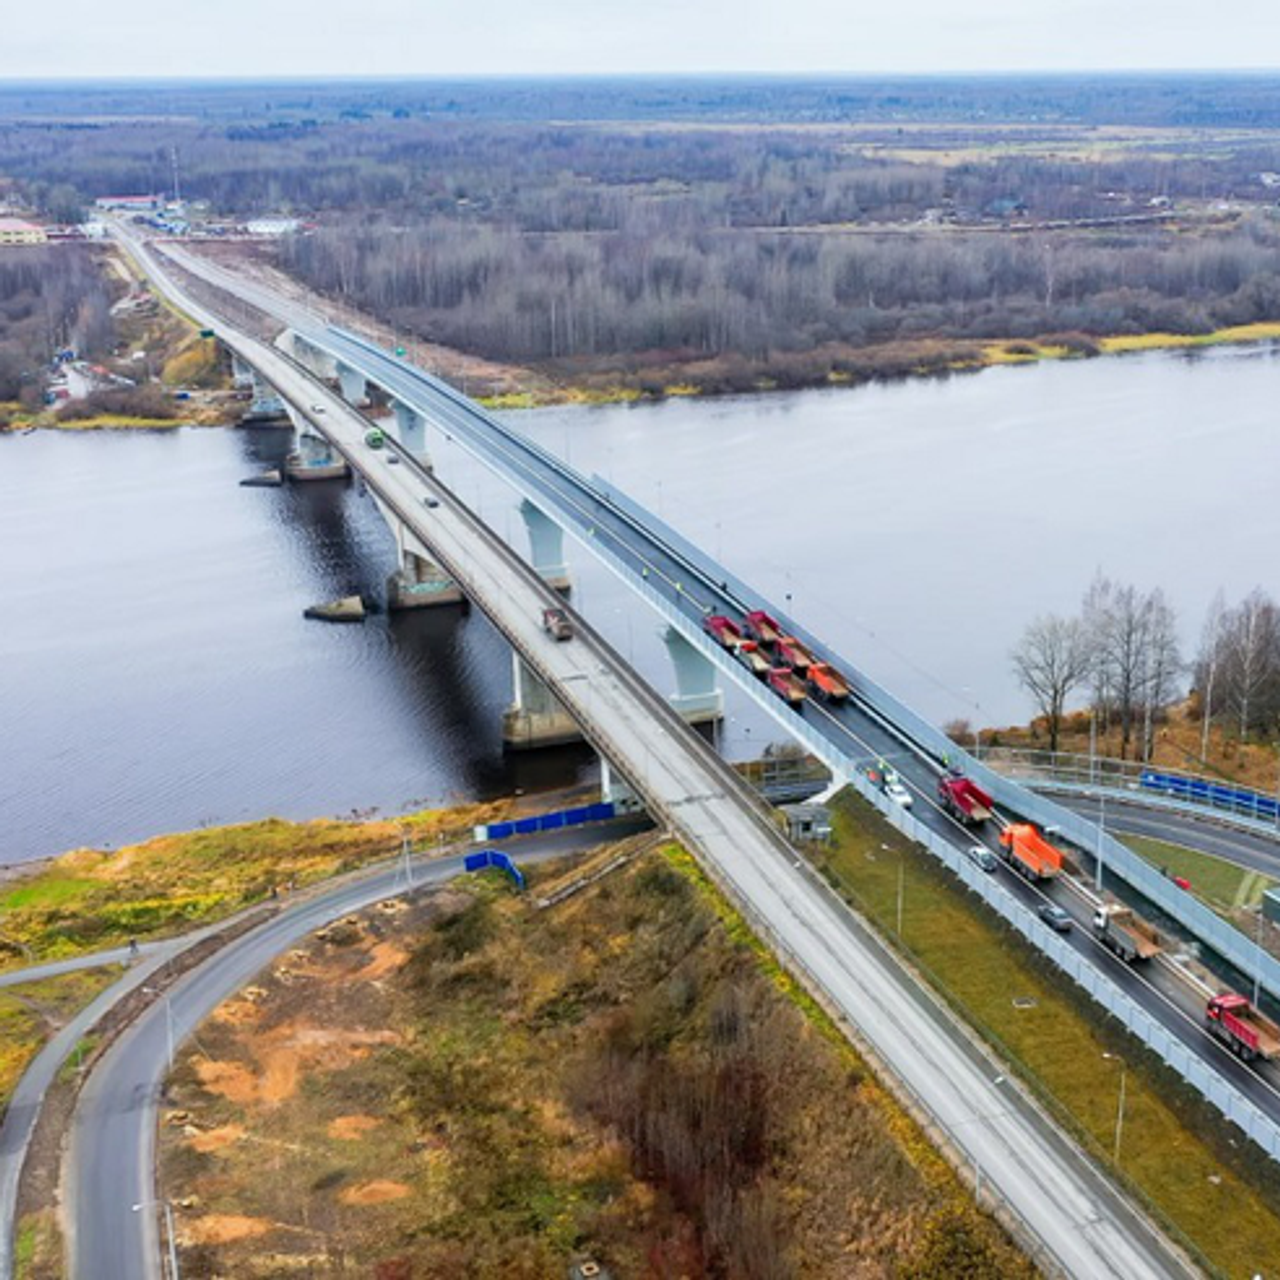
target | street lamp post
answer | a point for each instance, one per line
(1102, 836)
(167, 1206)
(168, 1020)
(1124, 1073)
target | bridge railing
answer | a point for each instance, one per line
(1254, 810)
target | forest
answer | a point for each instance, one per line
(727, 234)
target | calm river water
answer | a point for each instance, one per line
(156, 672)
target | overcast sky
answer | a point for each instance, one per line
(190, 38)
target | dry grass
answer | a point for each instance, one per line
(1176, 1151)
(557, 1091)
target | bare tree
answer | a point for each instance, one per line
(1207, 664)
(1250, 658)
(1052, 658)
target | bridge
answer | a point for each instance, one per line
(1040, 1179)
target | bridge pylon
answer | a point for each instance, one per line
(546, 546)
(535, 718)
(697, 698)
(419, 583)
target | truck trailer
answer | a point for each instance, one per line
(1127, 934)
(964, 799)
(748, 653)
(1029, 853)
(723, 630)
(762, 628)
(786, 684)
(789, 652)
(828, 683)
(1233, 1020)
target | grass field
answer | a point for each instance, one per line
(1223, 885)
(1174, 1149)
(88, 899)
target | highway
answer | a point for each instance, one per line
(637, 546)
(1066, 1206)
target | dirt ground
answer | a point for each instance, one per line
(472, 1085)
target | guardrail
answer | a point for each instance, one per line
(1251, 810)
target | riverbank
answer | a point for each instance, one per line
(601, 382)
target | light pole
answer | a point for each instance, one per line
(901, 889)
(167, 1206)
(1102, 835)
(1257, 957)
(1124, 1073)
(168, 1019)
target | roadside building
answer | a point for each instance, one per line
(130, 204)
(15, 231)
(272, 226)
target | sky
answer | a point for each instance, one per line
(278, 38)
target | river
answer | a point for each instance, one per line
(156, 672)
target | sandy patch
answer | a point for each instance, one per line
(283, 1054)
(237, 1013)
(385, 958)
(223, 1228)
(352, 1128)
(215, 1139)
(374, 1192)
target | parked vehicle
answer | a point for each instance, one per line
(983, 857)
(762, 628)
(555, 622)
(784, 682)
(1029, 853)
(1054, 916)
(1127, 934)
(748, 653)
(723, 630)
(1245, 1031)
(789, 652)
(964, 799)
(828, 683)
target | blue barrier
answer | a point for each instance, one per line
(599, 812)
(1213, 793)
(492, 858)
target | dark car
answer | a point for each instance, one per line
(1054, 916)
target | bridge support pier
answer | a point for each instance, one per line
(546, 547)
(535, 718)
(419, 583)
(355, 390)
(411, 428)
(320, 363)
(266, 409)
(314, 458)
(697, 699)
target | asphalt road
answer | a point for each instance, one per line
(1064, 1202)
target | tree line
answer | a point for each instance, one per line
(1123, 648)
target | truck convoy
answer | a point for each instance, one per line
(1128, 935)
(963, 799)
(1233, 1020)
(1029, 853)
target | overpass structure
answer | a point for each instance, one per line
(1079, 1225)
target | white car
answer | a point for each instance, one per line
(317, 408)
(982, 856)
(898, 794)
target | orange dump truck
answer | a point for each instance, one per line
(827, 682)
(1029, 853)
(1234, 1021)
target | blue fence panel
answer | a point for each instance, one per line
(504, 862)
(476, 862)
(501, 830)
(576, 817)
(600, 812)
(526, 826)
(551, 821)
(1221, 794)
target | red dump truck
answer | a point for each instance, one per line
(784, 682)
(827, 682)
(723, 630)
(1127, 934)
(761, 627)
(1029, 853)
(748, 653)
(555, 622)
(789, 652)
(964, 799)
(1234, 1021)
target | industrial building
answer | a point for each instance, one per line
(16, 231)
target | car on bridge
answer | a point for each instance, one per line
(982, 857)
(1054, 916)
